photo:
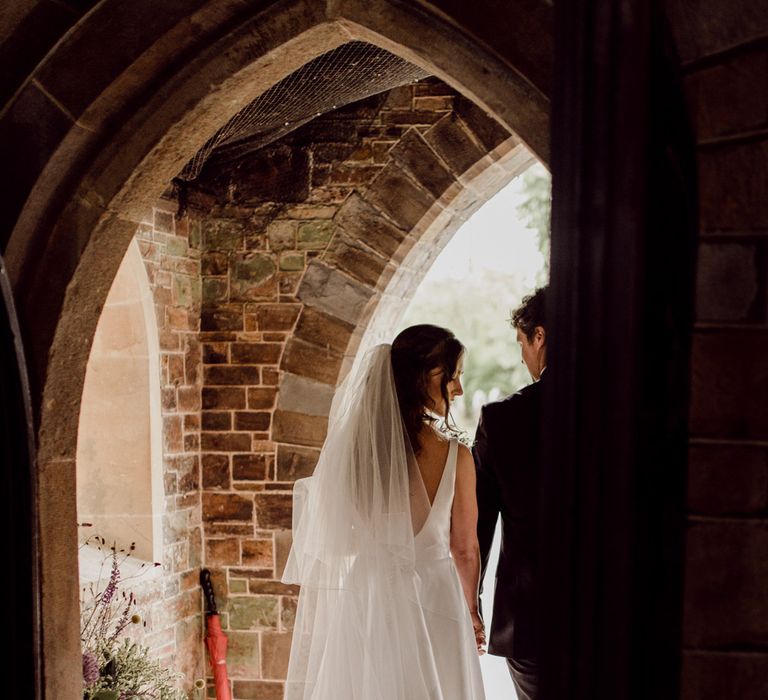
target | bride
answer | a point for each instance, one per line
(384, 537)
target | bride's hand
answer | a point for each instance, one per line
(479, 628)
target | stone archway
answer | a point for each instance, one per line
(91, 154)
(293, 279)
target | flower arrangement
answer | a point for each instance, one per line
(116, 668)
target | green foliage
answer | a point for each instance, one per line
(116, 667)
(535, 211)
(131, 673)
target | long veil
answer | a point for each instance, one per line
(359, 630)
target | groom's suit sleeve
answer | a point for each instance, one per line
(488, 490)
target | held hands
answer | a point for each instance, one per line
(479, 628)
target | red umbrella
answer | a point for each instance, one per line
(215, 639)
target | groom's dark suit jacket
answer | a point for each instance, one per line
(507, 461)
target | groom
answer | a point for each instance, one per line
(507, 460)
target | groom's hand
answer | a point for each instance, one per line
(479, 628)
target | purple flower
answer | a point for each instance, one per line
(90, 668)
(114, 579)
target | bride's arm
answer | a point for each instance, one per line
(464, 546)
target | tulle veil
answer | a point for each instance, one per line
(359, 631)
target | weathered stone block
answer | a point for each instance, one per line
(187, 291)
(215, 353)
(728, 282)
(242, 657)
(188, 400)
(258, 554)
(399, 98)
(216, 420)
(252, 420)
(260, 586)
(256, 353)
(356, 259)
(273, 510)
(305, 396)
(277, 317)
(727, 480)
(261, 397)
(334, 293)
(176, 246)
(253, 276)
(324, 329)
(314, 235)
(724, 675)
(223, 397)
(362, 221)
(416, 156)
(313, 361)
(192, 421)
(226, 506)
(485, 128)
(276, 173)
(295, 462)
(253, 613)
(409, 117)
(270, 376)
(238, 586)
(214, 264)
(222, 552)
(225, 442)
(189, 475)
(215, 471)
(222, 318)
(729, 385)
(726, 599)
(298, 429)
(288, 612)
(402, 200)
(223, 234)
(281, 235)
(232, 374)
(250, 467)
(275, 651)
(258, 690)
(291, 262)
(172, 434)
(215, 289)
(451, 141)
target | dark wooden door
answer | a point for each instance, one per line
(21, 606)
(623, 232)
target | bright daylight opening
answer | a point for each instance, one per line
(494, 260)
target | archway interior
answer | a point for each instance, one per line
(287, 255)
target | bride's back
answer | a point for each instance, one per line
(431, 459)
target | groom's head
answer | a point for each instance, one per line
(528, 321)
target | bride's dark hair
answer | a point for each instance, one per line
(415, 353)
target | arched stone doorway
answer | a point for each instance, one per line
(112, 146)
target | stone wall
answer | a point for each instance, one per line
(171, 602)
(726, 596)
(299, 241)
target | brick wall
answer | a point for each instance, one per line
(726, 593)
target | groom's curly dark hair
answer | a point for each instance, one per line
(531, 313)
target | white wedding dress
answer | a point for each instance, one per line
(381, 613)
(442, 599)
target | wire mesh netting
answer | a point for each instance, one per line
(349, 73)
